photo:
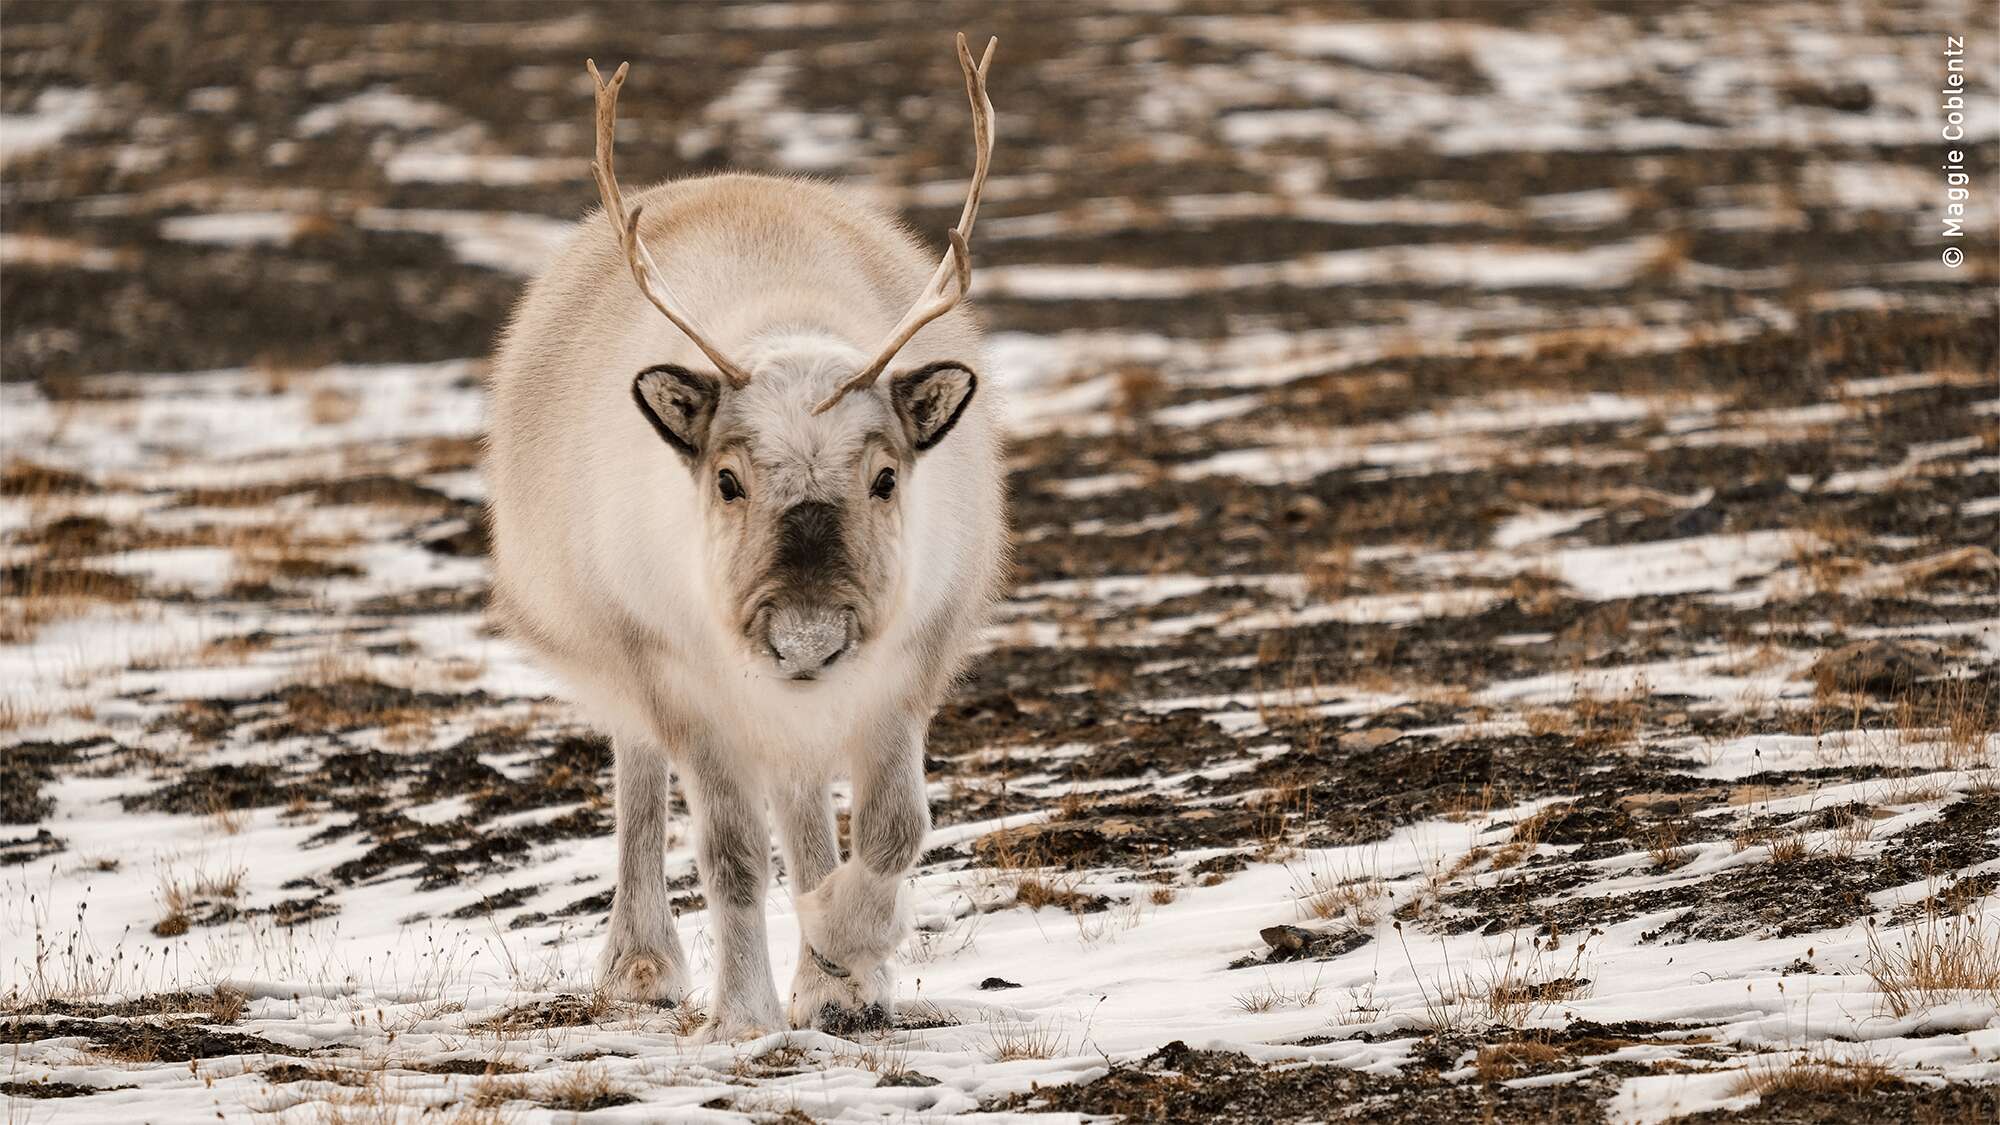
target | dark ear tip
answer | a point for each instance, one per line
(678, 403)
(926, 430)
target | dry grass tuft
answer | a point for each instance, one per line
(1788, 849)
(1513, 996)
(1329, 573)
(1035, 892)
(1607, 722)
(1528, 830)
(1940, 958)
(1327, 895)
(1960, 714)
(1510, 990)
(374, 1101)
(686, 1018)
(1814, 1075)
(1498, 1062)
(1664, 845)
(1823, 553)
(42, 593)
(1014, 1042)
(17, 713)
(1546, 721)
(1270, 997)
(577, 1091)
(225, 1005)
(180, 898)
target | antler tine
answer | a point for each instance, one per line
(607, 131)
(644, 270)
(952, 279)
(982, 126)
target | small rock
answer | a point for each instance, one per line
(1296, 943)
(995, 984)
(1372, 739)
(1669, 804)
(1286, 939)
(1304, 509)
(907, 1078)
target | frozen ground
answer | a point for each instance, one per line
(1505, 624)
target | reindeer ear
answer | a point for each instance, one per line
(930, 400)
(679, 403)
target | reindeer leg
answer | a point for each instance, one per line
(733, 853)
(642, 960)
(812, 851)
(854, 919)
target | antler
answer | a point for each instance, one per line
(953, 277)
(644, 271)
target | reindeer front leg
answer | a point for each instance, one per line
(812, 851)
(854, 920)
(733, 854)
(642, 960)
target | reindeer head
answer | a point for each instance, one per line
(803, 511)
(798, 454)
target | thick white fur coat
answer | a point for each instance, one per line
(616, 562)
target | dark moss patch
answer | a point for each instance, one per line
(1895, 1103)
(285, 1074)
(1180, 1084)
(850, 1022)
(41, 1090)
(27, 766)
(463, 1066)
(493, 903)
(563, 1011)
(24, 849)
(145, 1040)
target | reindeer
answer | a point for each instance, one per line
(755, 540)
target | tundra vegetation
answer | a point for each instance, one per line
(1501, 621)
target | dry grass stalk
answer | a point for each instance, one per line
(577, 1091)
(1789, 849)
(1940, 958)
(1321, 893)
(1498, 1062)
(1664, 845)
(180, 898)
(1270, 997)
(1014, 1042)
(1036, 892)
(1816, 1075)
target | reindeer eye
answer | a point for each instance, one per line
(885, 483)
(727, 484)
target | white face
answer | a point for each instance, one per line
(802, 513)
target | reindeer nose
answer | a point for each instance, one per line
(804, 641)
